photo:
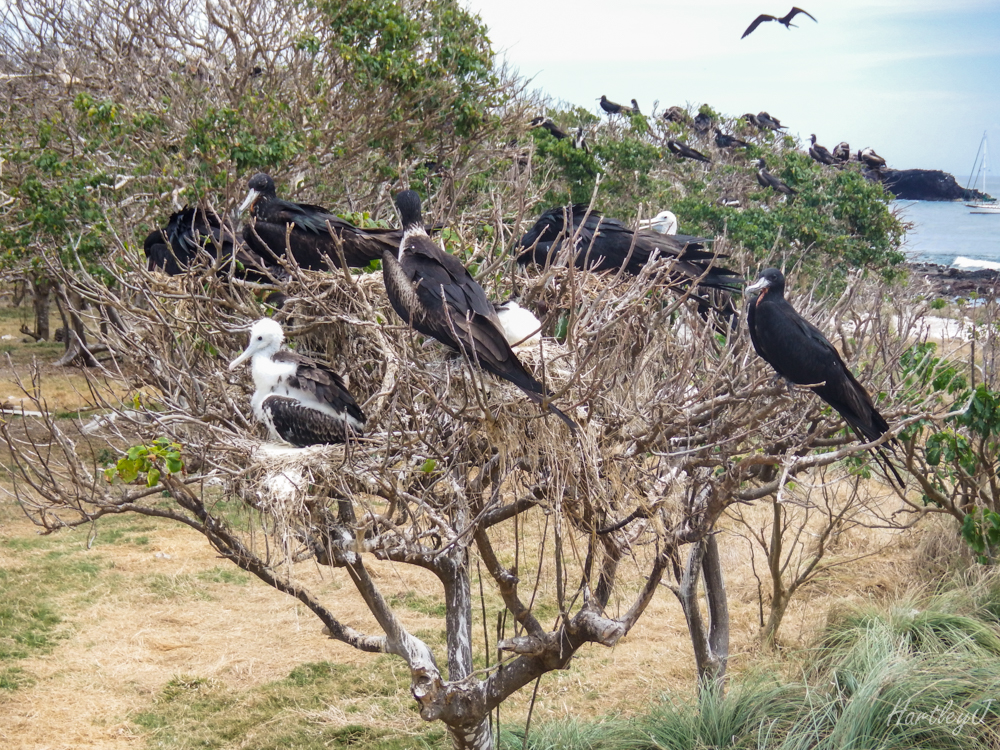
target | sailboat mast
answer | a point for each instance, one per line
(986, 162)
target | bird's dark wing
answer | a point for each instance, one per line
(757, 22)
(800, 352)
(795, 11)
(689, 264)
(776, 184)
(546, 228)
(159, 255)
(682, 149)
(434, 293)
(317, 251)
(307, 217)
(302, 426)
(327, 386)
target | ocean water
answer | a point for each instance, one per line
(949, 234)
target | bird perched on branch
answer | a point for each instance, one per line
(677, 114)
(435, 294)
(766, 179)
(799, 352)
(547, 124)
(194, 233)
(785, 20)
(613, 108)
(686, 152)
(603, 244)
(300, 400)
(722, 140)
(278, 225)
(764, 120)
(870, 158)
(702, 123)
(820, 153)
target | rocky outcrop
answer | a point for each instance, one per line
(926, 185)
(955, 282)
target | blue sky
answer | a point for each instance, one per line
(917, 81)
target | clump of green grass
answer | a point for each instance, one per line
(231, 575)
(427, 605)
(178, 586)
(54, 578)
(897, 678)
(14, 678)
(192, 711)
(607, 734)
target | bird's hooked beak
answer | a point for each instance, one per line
(759, 285)
(248, 201)
(247, 353)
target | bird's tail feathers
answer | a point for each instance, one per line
(532, 389)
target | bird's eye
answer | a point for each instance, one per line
(260, 338)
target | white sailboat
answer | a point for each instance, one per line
(982, 206)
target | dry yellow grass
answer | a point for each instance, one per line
(130, 642)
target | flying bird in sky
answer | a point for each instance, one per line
(786, 20)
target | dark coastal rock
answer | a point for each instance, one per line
(956, 282)
(925, 185)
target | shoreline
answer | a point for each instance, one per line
(948, 281)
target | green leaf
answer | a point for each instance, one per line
(128, 470)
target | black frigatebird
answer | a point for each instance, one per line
(820, 153)
(604, 244)
(547, 124)
(785, 20)
(298, 399)
(764, 120)
(677, 114)
(799, 352)
(435, 294)
(196, 232)
(702, 122)
(613, 108)
(270, 233)
(722, 140)
(842, 152)
(686, 152)
(766, 179)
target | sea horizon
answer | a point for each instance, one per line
(949, 234)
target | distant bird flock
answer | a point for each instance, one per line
(304, 402)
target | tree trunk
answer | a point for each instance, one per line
(458, 625)
(41, 288)
(711, 647)
(779, 596)
(76, 332)
(479, 738)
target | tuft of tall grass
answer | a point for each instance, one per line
(865, 638)
(606, 734)
(898, 678)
